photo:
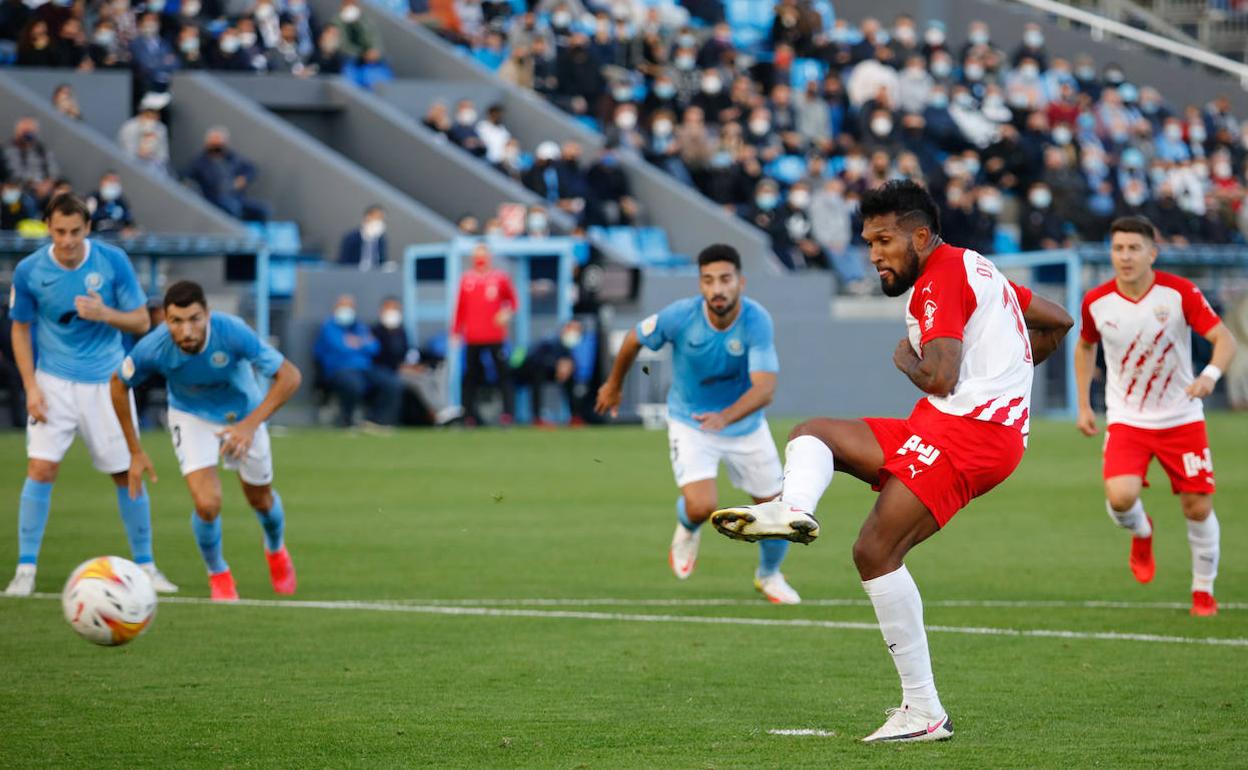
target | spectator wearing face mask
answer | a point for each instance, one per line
(154, 61)
(463, 130)
(1032, 47)
(365, 246)
(284, 55)
(344, 353)
(424, 387)
(190, 45)
(1169, 145)
(483, 310)
(551, 361)
(663, 149)
(792, 234)
(147, 124)
(543, 176)
(29, 161)
(712, 98)
(105, 50)
(223, 177)
(110, 211)
(610, 195)
(360, 40)
(831, 218)
(1042, 227)
(762, 210)
(16, 205)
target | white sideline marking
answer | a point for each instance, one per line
(497, 612)
(986, 603)
(803, 731)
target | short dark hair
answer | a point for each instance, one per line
(1134, 223)
(185, 294)
(906, 199)
(374, 208)
(67, 204)
(719, 252)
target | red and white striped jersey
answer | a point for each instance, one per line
(962, 295)
(1148, 350)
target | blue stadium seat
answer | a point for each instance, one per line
(1005, 242)
(787, 169)
(623, 241)
(806, 70)
(652, 244)
(283, 238)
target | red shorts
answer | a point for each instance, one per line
(1183, 452)
(944, 459)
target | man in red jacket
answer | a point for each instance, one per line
(486, 303)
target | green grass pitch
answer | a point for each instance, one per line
(431, 533)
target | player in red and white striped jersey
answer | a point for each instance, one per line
(1144, 319)
(972, 341)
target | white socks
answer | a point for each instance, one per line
(808, 469)
(1133, 519)
(1203, 537)
(899, 609)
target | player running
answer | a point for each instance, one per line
(80, 295)
(217, 408)
(1144, 319)
(725, 373)
(972, 341)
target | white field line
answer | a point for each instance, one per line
(496, 612)
(802, 731)
(984, 603)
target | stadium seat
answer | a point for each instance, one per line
(787, 169)
(806, 70)
(623, 241)
(283, 238)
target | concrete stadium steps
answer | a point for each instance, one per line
(691, 220)
(301, 178)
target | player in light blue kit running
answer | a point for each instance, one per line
(217, 408)
(79, 295)
(725, 373)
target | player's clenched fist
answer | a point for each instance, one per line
(1086, 422)
(608, 399)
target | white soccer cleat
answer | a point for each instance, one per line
(162, 584)
(776, 589)
(23, 582)
(683, 555)
(774, 520)
(905, 725)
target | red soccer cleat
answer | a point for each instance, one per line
(281, 571)
(1203, 604)
(222, 586)
(1142, 564)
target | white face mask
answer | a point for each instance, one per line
(990, 204)
(662, 127)
(799, 199)
(1062, 135)
(881, 126)
(11, 195)
(265, 12)
(1222, 169)
(229, 45)
(1040, 198)
(759, 127)
(467, 117)
(570, 339)
(110, 191)
(247, 39)
(712, 85)
(626, 120)
(350, 14)
(105, 38)
(391, 318)
(344, 316)
(1033, 38)
(537, 223)
(373, 228)
(191, 9)
(1029, 70)
(934, 37)
(974, 72)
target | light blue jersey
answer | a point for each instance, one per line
(219, 383)
(712, 367)
(43, 294)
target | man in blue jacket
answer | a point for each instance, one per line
(344, 352)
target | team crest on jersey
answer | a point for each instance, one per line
(649, 325)
(929, 315)
(735, 348)
(1162, 312)
(94, 281)
(127, 368)
(219, 359)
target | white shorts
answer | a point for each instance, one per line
(197, 445)
(84, 408)
(752, 460)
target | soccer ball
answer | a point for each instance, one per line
(109, 600)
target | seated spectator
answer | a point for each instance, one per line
(831, 219)
(190, 45)
(146, 125)
(228, 54)
(344, 353)
(38, 49)
(792, 234)
(1042, 228)
(423, 384)
(110, 211)
(610, 196)
(15, 205)
(463, 131)
(551, 361)
(66, 103)
(30, 162)
(543, 176)
(438, 118)
(329, 58)
(223, 177)
(105, 50)
(284, 56)
(250, 47)
(153, 57)
(74, 49)
(365, 245)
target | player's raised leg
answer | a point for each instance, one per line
(815, 450)
(267, 504)
(1122, 502)
(32, 520)
(205, 487)
(1203, 535)
(897, 523)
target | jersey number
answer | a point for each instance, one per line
(1011, 302)
(177, 436)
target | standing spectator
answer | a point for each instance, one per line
(426, 385)
(360, 39)
(66, 103)
(493, 134)
(110, 211)
(486, 304)
(284, 56)
(223, 177)
(552, 360)
(30, 162)
(147, 124)
(365, 246)
(578, 71)
(15, 205)
(154, 60)
(344, 352)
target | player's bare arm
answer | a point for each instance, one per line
(1047, 324)
(609, 394)
(1085, 363)
(236, 439)
(24, 357)
(762, 391)
(140, 463)
(91, 307)
(1223, 351)
(936, 371)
